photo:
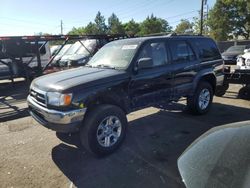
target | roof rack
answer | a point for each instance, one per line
(171, 34)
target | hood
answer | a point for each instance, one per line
(235, 53)
(219, 158)
(86, 76)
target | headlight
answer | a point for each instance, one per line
(58, 99)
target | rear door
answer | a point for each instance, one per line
(152, 85)
(185, 64)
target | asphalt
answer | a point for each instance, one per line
(33, 156)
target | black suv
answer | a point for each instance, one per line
(122, 77)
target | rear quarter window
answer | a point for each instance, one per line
(207, 49)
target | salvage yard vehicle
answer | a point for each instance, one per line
(124, 76)
(237, 74)
(231, 54)
(77, 55)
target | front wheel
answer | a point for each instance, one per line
(201, 101)
(104, 129)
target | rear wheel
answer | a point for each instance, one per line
(104, 129)
(244, 92)
(201, 101)
(221, 90)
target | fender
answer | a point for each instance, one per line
(206, 74)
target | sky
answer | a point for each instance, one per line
(29, 17)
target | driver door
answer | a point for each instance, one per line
(152, 85)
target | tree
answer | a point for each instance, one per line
(184, 27)
(114, 25)
(230, 18)
(153, 25)
(131, 27)
(77, 31)
(91, 29)
(100, 24)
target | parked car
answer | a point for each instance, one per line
(219, 158)
(77, 55)
(54, 49)
(124, 76)
(231, 54)
(55, 66)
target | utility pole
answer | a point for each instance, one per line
(61, 27)
(203, 2)
(201, 26)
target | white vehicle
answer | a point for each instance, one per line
(243, 61)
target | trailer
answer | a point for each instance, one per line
(13, 51)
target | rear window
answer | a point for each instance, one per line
(207, 49)
(181, 51)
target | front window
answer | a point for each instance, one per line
(116, 54)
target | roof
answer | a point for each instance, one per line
(143, 39)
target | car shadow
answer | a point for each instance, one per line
(13, 100)
(148, 157)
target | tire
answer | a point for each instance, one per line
(95, 124)
(221, 90)
(244, 93)
(194, 102)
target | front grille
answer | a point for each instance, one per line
(38, 96)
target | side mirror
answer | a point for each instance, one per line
(145, 63)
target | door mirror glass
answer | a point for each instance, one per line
(145, 63)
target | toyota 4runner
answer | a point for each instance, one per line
(124, 76)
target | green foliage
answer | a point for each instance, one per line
(184, 27)
(114, 25)
(91, 29)
(153, 24)
(101, 27)
(132, 28)
(230, 18)
(150, 25)
(77, 31)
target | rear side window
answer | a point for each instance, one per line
(207, 49)
(181, 51)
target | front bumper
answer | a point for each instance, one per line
(59, 121)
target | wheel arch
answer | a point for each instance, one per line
(110, 98)
(207, 77)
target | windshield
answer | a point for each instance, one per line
(64, 49)
(116, 54)
(89, 47)
(236, 48)
(78, 48)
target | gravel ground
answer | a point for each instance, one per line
(33, 156)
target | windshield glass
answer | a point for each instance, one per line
(64, 49)
(73, 48)
(78, 48)
(89, 47)
(116, 54)
(236, 48)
